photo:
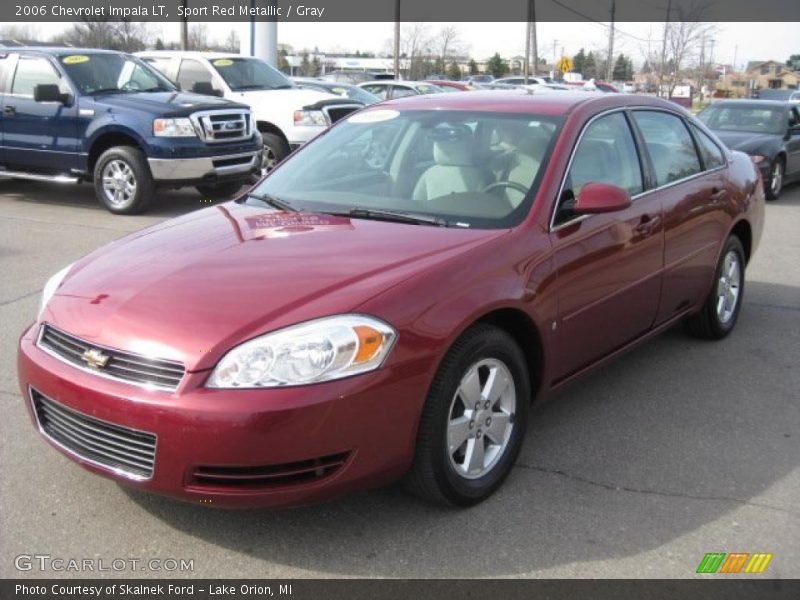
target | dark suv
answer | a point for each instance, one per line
(69, 114)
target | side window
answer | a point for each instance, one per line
(712, 155)
(669, 144)
(606, 153)
(32, 72)
(160, 63)
(402, 92)
(194, 77)
(794, 117)
(378, 89)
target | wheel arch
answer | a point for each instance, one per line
(267, 127)
(744, 232)
(106, 140)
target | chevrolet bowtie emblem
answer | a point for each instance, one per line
(94, 358)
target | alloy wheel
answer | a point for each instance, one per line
(119, 183)
(728, 287)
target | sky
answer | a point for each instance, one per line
(745, 41)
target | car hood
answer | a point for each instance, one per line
(747, 141)
(167, 104)
(296, 98)
(191, 288)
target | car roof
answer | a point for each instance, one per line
(191, 54)
(755, 102)
(523, 101)
(58, 50)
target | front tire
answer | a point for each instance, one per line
(274, 150)
(773, 186)
(122, 180)
(474, 420)
(721, 309)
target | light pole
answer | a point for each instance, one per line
(397, 39)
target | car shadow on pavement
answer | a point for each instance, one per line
(166, 203)
(658, 444)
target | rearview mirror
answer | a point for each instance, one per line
(48, 92)
(601, 198)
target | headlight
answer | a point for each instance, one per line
(310, 117)
(51, 286)
(173, 128)
(757, 158)
(319, 350)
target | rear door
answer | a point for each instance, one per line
(609, 265)
(39, 136)
(690, 181)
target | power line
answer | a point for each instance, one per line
(601, 23)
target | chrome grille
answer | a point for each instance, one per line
(127, 451)
(122, 366)
(215, 126)
(339, 111)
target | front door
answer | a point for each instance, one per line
(608, 265)
(39, 136)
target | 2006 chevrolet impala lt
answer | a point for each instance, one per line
(389, 301)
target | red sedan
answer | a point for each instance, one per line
(389, 301)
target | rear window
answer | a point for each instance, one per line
(669, 144)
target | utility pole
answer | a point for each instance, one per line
(610, 69)
(711, 57)
(735, 56)
(397, 39)
(528, 24)
(533, 40)
(664, 50)
(184, 27)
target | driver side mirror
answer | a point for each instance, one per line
(49, 92)
(597, 198)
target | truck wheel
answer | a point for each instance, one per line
(774, 184)
(122, 180)
(220, 191)
(275, 150)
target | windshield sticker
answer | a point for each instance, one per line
(75, 59)
(222, 62)
(338, 90)
(374, 116)
(281, 225)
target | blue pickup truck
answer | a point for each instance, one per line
(70, 115)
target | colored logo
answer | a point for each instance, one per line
(734, 562)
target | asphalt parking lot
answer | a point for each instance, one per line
(678, 449)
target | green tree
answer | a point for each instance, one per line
(159, 44)
(316, 67)
(794, 61)
(497, 66)
(579, 62)
(473, 67)
(283, 62)
(454, 71)
(620, 68)
(305, 65)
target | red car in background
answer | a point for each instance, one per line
(389, 301)
(450, 86)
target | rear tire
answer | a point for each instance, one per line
(220, 191)
(471, 431)
(122, 180)
(721, 309)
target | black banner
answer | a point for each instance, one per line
(712, 588)
(410, 10)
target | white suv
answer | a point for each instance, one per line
(285, 115)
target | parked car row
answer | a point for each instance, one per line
(131, 124)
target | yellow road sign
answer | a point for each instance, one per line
(564, 64)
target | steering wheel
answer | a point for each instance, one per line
(505, 184)
(132, 86)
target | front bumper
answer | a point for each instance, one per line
(370, 420)
(227, 166)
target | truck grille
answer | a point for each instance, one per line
(339, 111)
(116, 364)
(127, 451)
(216, 126)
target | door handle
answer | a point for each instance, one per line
(9, 110)
(647, 225)
(718, 195)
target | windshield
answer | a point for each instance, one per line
(464, 168)
(755, 119)
(353, 92)
(250, 74)
(109, 73)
